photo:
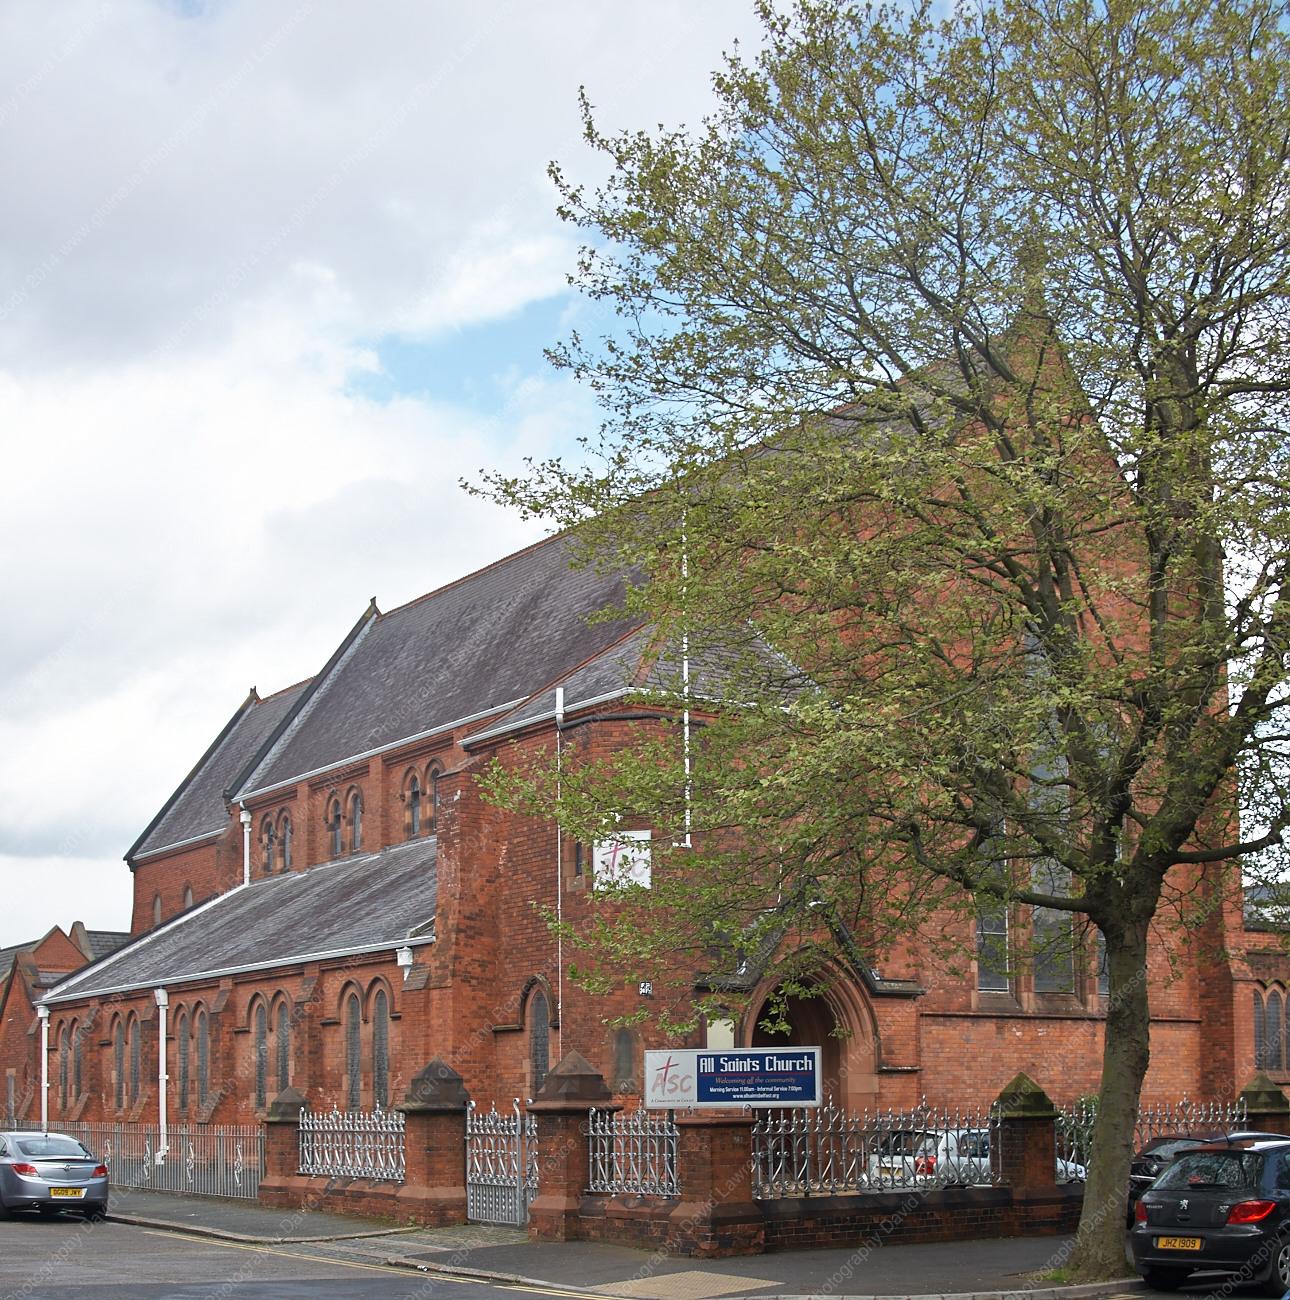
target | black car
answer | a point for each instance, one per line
(1150, 1162)
(1221, 1207)
(1154, 1156)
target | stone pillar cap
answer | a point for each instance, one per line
(573, 1083)
(285, 1107)
(1023, 1098)
(1263, 1097)
(437, 1087)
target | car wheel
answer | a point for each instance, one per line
(1165, 1279)
(1278, 1282)
(96, 1213)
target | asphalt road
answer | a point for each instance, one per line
(55, 1259)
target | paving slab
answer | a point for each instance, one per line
(1007, 1265)
(996, 1268)
(213, 1216)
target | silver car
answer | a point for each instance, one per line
(49, 1172)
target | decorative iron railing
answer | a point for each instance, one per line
(197, 1159)
(352, 1144)
(828, 1150)
(633, 1153)
(1075, 1123)
(501, 1165)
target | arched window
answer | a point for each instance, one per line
(135, 1049)
(182, 1047)
(118, 1064)
(202, 1032)
(432, 788)
(261, 1056)
(268, 842)
(283, 1045)
(626, 1078)
(64, 1065)
(78, 1059)
(381, 1048)
(413, 797)
(284, 838)
(539, 1038)
(355, 821)
(1274, 1031)
(333, 824)
(188, 897)
(353, 1053)
(156, 909)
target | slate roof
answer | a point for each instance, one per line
(103, 942)
(197, 807)
(9, 955)
(637, 665)
(474, 646)
(355, 904)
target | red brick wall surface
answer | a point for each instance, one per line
(471, 996)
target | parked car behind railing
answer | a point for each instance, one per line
(946, 1157)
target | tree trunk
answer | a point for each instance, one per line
(1099, 1250)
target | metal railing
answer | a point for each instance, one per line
(633, 1153)
(1075, 1123)
(352, 1144)
(828, 1150)
(198, 1159)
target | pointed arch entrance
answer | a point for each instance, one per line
(840, 1022)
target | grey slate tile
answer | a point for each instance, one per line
(197, 808)
(485, 641)
(353, 903)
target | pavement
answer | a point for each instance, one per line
(971, 1270)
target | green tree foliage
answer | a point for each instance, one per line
(948, 359)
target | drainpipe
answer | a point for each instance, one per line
(685, 670)
(43, 1012)
(163, 1144)
(246, 845)
(559, 876)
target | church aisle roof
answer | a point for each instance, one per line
(475, 646)
(363, 903)
(197, 806)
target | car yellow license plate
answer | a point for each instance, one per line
(1178, 1243)
(67, 1191)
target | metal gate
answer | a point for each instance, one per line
(501, 1166)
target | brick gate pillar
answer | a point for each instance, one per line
(1027, 1136)
(716, 1214)
(282, 1183)
(572, 1089)
(1266, 1107)
(434, 1137)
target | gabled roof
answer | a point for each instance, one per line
(197, 806)
(354, 905)
(474, 647)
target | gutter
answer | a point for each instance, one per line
(194, 977)
(243, 796)
(178, 844)
(520, 723)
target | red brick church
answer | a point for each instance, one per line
(326, 902)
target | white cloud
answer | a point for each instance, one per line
(212, 212)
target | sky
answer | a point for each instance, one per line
(273, 280)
